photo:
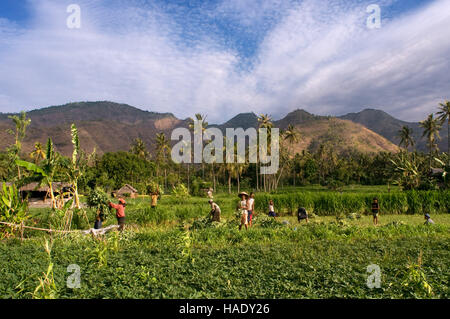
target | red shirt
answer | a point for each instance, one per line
(120, 209)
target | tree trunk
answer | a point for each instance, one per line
(75, 195)
(238, 184)
(257, 177)
(52, 195)
(188, 165)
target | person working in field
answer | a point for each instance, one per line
(99, 220)
(302, 214)
(243, 209)
(251, 208)
(120, 212)
(375, 210)
(271, 209)
(428, 220)
(215, 211)
(154, 200)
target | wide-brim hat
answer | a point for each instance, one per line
(243, 193)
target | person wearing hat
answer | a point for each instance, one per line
(243, 208)
(428, 220)
(215, 211)
(120, 212)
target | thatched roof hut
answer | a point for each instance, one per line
(127, 189)
(33, 190)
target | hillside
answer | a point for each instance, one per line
(342, 135)
(109, 126)
(387, 126)
(106, 126)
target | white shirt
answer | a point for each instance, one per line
(271, 208)
(250, 204)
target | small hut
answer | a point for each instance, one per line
(33, 192)
(127, 191)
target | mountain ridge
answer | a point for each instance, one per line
(109, 126)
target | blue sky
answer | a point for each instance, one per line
(224, 57)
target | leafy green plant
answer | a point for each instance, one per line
(416, 281)
(180, 191)
(12, 209)
(99, 200)
(46, 289)
(154, 188)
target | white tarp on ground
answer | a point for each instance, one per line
(100, 231)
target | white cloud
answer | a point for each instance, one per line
(319, 55)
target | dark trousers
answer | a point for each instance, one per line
(98, 224)
(121, 222)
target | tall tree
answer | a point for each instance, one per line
(138, 148)
(431, 127)
(162, 151)
(406, 138)
(204, 125)
(21, 122)
(444, 114)
(38, 153)
(265, 121)
(292, 136)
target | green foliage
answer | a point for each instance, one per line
(122, 168)
(154, 188)
(318, 260)
(415, 280)
(180, 191)
(198, 186)
(331, 203)
(12, 209)
(99, 200)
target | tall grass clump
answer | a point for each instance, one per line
(334, 203)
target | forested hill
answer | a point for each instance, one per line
(109, 126)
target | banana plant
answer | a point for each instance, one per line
(43, 175)
(407, 171)
(76, 167)
(12, 208)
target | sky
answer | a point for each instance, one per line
(221, 58)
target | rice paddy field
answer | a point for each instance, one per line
(174, 251)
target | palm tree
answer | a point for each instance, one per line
(162, 149)
(204, 124)
(431, 128)
(291, 135)
(138, 148)
(21, 122)
(265, 121)
(406, 138)
(444, 114)
(38, 154)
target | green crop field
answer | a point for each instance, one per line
(173, 251)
